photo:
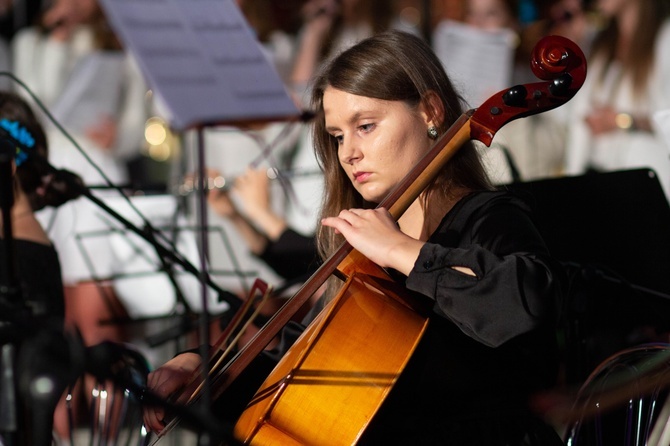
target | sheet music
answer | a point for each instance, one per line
(479, 62)
(202, 59)
(92, 91)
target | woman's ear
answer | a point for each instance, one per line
(432, 109)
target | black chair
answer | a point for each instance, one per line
(624, 401)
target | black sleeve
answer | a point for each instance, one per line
(293, 255)
(516, 283)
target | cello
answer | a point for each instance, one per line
(352, 354)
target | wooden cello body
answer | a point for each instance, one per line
(338, 372)
(330, 383)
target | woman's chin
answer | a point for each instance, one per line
(373, 198)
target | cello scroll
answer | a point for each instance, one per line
(555, 59)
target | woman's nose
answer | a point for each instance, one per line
(349, 151)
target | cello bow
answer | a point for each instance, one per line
(556, 60)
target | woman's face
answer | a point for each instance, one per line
(379, 141)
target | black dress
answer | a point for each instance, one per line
(491, 340)
(42, 350)
(39, 275)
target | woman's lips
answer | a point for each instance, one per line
(361, 176)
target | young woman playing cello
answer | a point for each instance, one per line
(472, 251)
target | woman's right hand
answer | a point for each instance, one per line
(164, 382)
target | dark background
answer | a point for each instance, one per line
(611, 231)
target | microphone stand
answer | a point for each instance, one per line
(595, 272)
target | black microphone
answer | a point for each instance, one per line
(58, 185)
(61, 186)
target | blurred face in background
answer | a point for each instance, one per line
(70, 13)
(5, 6)
(84, 10)
(563, 10)
(610, 8)
(489, 14)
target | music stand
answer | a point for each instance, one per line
(147, 287)
(612, 232)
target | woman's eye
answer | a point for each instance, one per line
(338, 138)
(367, 127)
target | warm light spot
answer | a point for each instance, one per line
(155, 131)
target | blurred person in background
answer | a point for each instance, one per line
(536, 144)
(477, 49)
(330, 26)
(267, 234)
(574, 19)
(629, 65)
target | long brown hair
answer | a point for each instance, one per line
(392, 66)
(638, 62)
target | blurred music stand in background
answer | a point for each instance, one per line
(151, 287)
(612, 233)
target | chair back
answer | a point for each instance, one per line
(114, 410)
(624, 401)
